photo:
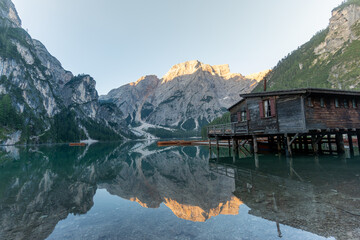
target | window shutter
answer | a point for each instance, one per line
(239, 116)
(248, 114)
(273, 107)
(261, 108)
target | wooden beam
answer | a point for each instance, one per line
(292, 140)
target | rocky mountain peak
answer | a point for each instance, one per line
(222, 70)
(145, 79)
(341, 30)
(8, 11)
(258, 76)
(191, 67)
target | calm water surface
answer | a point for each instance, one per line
(140, 191)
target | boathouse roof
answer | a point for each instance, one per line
(297, 92)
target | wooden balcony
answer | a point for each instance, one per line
(230, 129)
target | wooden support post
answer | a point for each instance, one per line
(278, 141)
(210, 143)
(229, 144)
(300, 144)
(351, 146)
(256, 150)
(288, 144)
(358, 139)
(314, 145)
(340, 143)
(306, 143)
(257, 165)
(237, 146)
(329, 142)
(217, 145)
(233, 144)
(320, 146)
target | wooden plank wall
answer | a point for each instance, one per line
(290, 113)
(318, 117)
(239, 108)
(257, 124)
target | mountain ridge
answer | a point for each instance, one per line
(188, 96)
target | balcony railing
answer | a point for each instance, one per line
(228, 129)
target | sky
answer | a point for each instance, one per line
(118, 41)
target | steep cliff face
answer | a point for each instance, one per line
(331, 59)
(40, 91)
(9, 13)
(190, 95)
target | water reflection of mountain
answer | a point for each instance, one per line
(43, 185)
(179, 179)
(318, 196)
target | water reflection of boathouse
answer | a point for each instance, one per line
(322, 198)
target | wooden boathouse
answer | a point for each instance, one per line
(307, 119)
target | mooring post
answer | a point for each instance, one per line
(351, 146)
(340, 143)
(256, 150)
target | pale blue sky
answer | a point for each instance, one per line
(119, 41)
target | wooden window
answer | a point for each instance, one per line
(238, 116)
(267, 108)
(322, 102)
(337, 103)
(243, 116)
(310, 103)
(273, 107)
(346, 103)
(354, 103)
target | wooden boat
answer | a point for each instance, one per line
(77, 144)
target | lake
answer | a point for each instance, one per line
(136, 190)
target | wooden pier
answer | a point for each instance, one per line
(303, 120)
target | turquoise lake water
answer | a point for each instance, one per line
(136, 190)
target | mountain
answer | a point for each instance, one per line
(331, 59)
(189, 96)
(39, 100)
